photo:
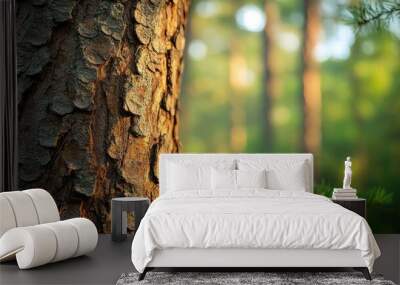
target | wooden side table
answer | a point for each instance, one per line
(358, 206)
(119, 218)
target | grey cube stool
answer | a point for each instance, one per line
(119, 219)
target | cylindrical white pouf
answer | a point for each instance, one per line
(67, 240)
(7, 218)
(33, 246)
(45, 206)
(23, 208)
(87, 234)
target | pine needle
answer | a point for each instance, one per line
(374, 14)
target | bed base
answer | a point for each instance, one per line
(250, 259)
(363, 270)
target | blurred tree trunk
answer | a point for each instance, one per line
(98, 98)
(311, 89)
(271, 83)
(184, 111)
(361, 152)
(237, 80)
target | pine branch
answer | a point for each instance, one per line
(374, 13)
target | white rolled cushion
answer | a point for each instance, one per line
(223, 179)
(46, 208)
(87, 235)
(67, 240)
(182, 178)
(23, 208)
(40, 244)
(33, 246)
(7, 218)
(251, 178)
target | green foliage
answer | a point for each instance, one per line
(360, 101)
(323, 188)
(374, 14)
(378, 196)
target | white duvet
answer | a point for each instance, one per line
(251, 218)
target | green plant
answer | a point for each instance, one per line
(374, 14)
(323, 188)
(378, 196)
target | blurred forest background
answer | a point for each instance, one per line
(288, 76)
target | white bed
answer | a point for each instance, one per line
(249, 227)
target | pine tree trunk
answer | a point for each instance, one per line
(184, 97)
(271, 83)
(237, 64)
(98, 98)
(361, 151)
(311, 93)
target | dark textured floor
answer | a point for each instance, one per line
(102, 266)
(110, 260)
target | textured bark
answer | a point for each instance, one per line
(271, 81)
(98, 98)
(311, 89)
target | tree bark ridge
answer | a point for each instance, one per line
(98, 98)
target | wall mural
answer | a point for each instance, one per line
(99, 94)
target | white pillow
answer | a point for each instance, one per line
(251, 178)
(290, 179)
(223, 179)
(181, 178)
(281, 174)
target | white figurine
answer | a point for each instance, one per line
(347, 174)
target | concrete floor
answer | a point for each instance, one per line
(111, 259)
(103, 266)
(389, 263)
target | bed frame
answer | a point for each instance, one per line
(249, 259)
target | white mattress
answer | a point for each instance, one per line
(250, 219)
